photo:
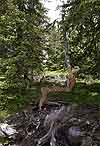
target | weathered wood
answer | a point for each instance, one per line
(54, 121)
(46, 90)
(61, 125)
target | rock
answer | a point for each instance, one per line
(7, 129)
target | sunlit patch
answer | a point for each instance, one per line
(93, 93)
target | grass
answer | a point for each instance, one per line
(13, 102)
(54, 73)
(83, 93)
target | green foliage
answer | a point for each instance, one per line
(84, 93)
(25, 42)
(22, 41)
(82, 25)
(22, 29)
(55, 51)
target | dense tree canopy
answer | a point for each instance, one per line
(55, 51)
(24, 37)
(22, 29)
(82, 24)
(30, 44)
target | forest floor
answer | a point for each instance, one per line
(73, 125)
(84, 93)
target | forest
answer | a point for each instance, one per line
(58, 61)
